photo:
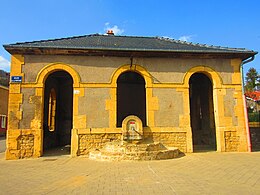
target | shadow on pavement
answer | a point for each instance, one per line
(60, 151)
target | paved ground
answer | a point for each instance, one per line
(2, 144)
(198, 173)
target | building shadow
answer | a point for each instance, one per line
(255, 138)
(59, 151)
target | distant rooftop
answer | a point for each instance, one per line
(96, 43)
(253, 95)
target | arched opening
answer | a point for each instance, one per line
(58, 104)
(202, 113)
(131, 97)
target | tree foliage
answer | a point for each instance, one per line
(252, 79)
(4, 78)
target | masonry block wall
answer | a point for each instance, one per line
(94, 101)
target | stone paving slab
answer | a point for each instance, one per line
(197, 173)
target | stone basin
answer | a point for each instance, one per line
(122, 150)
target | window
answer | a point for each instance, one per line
(3, 121)
(52, 110)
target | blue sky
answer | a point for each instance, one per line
(229, 23)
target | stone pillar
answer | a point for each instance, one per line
(219, 117)
(184, 120)
(74, 143)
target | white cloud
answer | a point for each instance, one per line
(4, 64)
(186, 38)
(115, 29)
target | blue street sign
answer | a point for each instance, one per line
(16, 79)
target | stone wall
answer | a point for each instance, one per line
(99, 69)
(170, 139)
(93, 106)
(231, 141)
(25, 145)
(170, 107)
(89, 142)
(95, 141)
(95, 100)
(229, 106)
(28, 107)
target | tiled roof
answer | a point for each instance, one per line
(126, 43)
(254, 95)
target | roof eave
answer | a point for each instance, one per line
(125, 52)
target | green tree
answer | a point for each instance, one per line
(252, 79)
(4, 78)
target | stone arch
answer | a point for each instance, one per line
(53, 67)
(58, 133)
(135, 68)
(43, 74)
(212, 74)
(131, 96)
(217, 83)
(202, 119)
(151, 102)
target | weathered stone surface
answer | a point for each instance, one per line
(91, 141)
(170, 139)
(95, 100)
(97, 141)
(122, 150)
(25, 144)
(231, 141)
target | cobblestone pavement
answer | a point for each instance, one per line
(197, 173)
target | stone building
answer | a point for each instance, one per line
(77, 91)
(4, 92)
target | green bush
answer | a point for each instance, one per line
(254, 117)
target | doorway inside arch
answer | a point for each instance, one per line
(131, 97)
(202, 113)
(58, 106)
